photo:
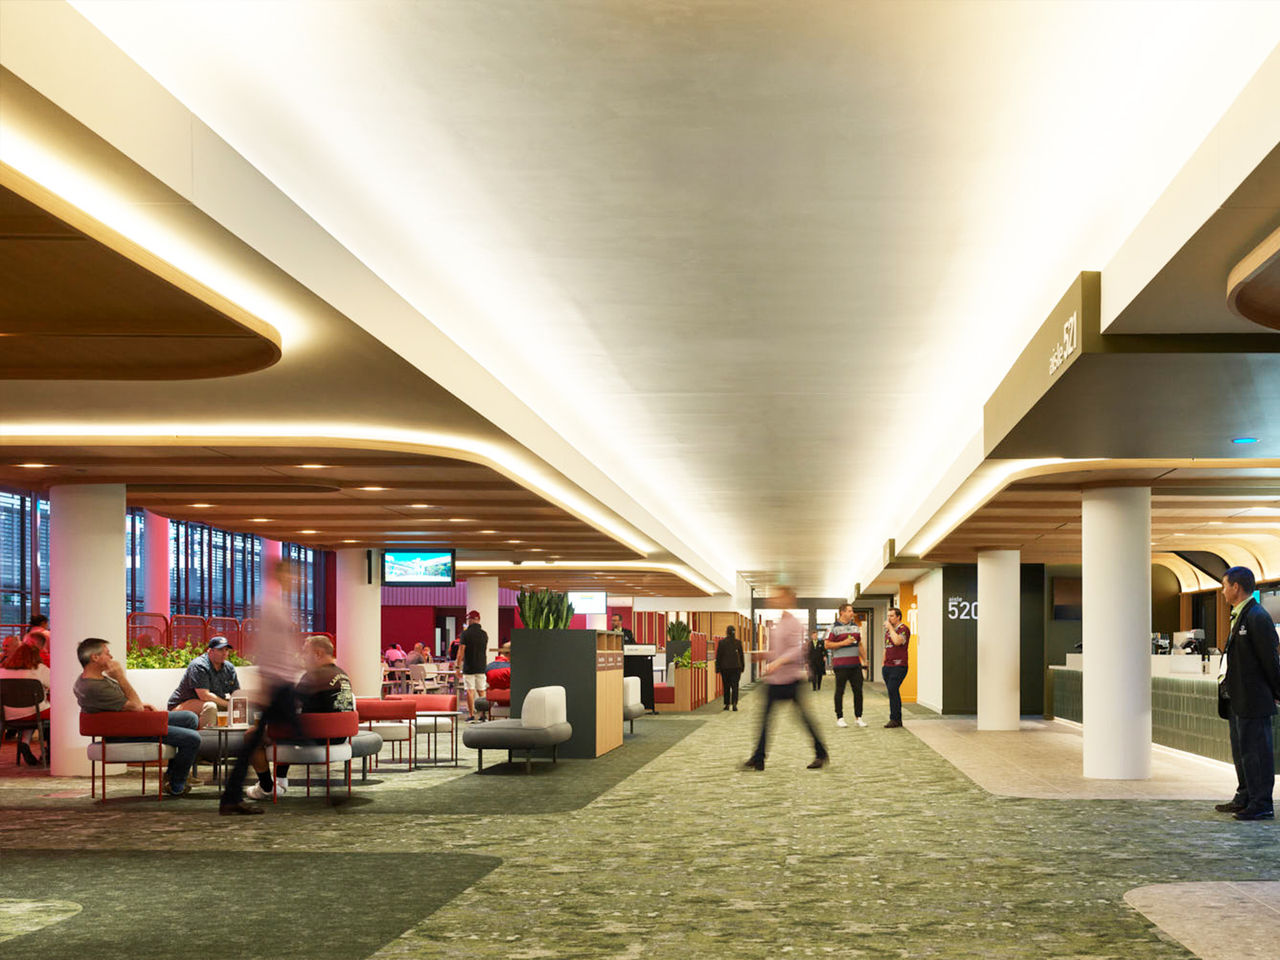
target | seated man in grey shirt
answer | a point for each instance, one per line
(207, 685)
(104, 688)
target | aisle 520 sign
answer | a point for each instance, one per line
(958, 608)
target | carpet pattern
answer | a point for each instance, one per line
(888, 852)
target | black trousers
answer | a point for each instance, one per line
(730, 679)
(852, 676)
(1253, 750)
(282, 710)
(778, 693)
(893, 677)
(816, 680)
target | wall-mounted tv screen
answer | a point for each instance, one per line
(418, 568)
(589, 602)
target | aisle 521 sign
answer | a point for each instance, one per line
(958, 608)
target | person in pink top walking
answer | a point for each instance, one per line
(783, 671)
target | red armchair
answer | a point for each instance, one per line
(140, 725)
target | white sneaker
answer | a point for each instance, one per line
(860, 722)
(282, 786)
(840, 722)
(255, 792)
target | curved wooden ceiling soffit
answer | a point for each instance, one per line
(329, 496)
(1253, 286)
(79, 302)
(1230, 507)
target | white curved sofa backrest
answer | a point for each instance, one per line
(543, 706)
(630, 691)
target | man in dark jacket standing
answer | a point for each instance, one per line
(1247, 697)
(730, 663)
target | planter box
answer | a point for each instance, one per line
(588, 664)
(691, 690)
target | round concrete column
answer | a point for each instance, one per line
(999, 639)
(155, 563)
(86, 599)
(1116, 558)
(359, 622)
(482, 596)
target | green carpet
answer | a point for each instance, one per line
(131, 904)
(889, 852)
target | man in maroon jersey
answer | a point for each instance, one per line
(896, 637)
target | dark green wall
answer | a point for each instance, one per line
(1166, 593)
(960, 638)
(1031, 656)
(1060, 636)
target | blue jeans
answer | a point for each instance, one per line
(1253, 750)
(183, 737)
(893, 677)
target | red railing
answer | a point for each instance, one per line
(146, 630)
(187, 630)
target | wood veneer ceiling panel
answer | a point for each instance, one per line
(72, 308)
(469, 507)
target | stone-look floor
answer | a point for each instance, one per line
(1216, 921)
(1044, 759)
(888, 852)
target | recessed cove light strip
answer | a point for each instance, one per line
(525, 472)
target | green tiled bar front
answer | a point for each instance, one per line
(1184, 712)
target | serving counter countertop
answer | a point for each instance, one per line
(1162, 665)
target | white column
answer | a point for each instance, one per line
(999, 639)
(358, 623)
(155, 563)
(482, 596)
(86, 599)
(1116, 558)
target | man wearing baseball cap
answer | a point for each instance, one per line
(208, 683)
(473, 659)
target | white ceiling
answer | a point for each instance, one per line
(764, 261)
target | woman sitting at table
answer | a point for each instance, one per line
(23, 663)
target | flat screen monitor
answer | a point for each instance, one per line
(589, 602)
(418, 568)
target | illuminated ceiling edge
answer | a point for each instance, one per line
(639, 566)
(528, 476)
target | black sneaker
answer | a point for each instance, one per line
(1256, 813)
(1229, 807)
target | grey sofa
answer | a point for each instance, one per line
(542, 724)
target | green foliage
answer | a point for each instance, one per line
(686, 661)
(544, 609)
(678, 630)
(161, 658)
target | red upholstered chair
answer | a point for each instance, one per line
(432, 703)
(146, 727)
(393, 720)
(313, 727)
